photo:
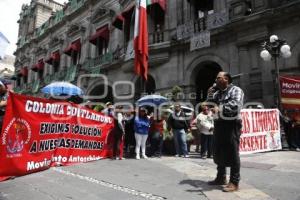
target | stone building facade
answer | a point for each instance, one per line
(89, 42)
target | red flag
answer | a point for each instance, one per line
(290, 91)
(141, 39)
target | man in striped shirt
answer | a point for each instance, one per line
(228, 100)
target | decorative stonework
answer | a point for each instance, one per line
(41, 50)
(74, 29)
(55, 41)
(100, 13)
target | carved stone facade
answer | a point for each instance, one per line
(178, 54)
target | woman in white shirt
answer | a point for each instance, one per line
(205, 124)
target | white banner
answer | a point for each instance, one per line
(260, 131)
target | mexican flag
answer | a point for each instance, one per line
(141, 35)
(141, 39)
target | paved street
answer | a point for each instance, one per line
(273, 175)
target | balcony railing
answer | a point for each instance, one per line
(27, 88)
(18, 89)
(21, 41)
(57, 76)
(191, 28)
(103, 59)
(59, 15)
(47, 80)
(60, 75)
(41, 30)
(70, 73)
(36, 86)
(200, 25)
(158, 36)
(93, 65)
(75, 4)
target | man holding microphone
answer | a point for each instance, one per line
(228, 100)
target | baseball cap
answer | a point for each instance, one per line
(108, 103)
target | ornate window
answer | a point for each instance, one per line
(101, 39)
(54, 60)
(74, 51)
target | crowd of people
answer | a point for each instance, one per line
(219, 128)
(141, 133)
(291, 127)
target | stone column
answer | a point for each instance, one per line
(244, 67)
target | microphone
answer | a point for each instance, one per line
(214, 86)
(212, 90)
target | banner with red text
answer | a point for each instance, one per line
(290, 91)
(260, 131)
(39, 133)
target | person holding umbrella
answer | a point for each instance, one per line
(141, 129)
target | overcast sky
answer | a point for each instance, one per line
(9, 15)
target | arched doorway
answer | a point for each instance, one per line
(206, 75)
(142, 87)
(101, 93)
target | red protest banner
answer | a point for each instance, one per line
(40, 133)
(260, 130)
(290, 91)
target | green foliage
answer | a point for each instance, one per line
(176, 89)
(189, 137)
(98, 108)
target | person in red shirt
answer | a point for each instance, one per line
(157, 135)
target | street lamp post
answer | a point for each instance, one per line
(273, 49)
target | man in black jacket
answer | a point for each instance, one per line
(178, 123)
(229, 101)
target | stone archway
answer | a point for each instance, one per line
(203, 68)
(142, 87)
(193, 67)
(101, 93)
(206, 73)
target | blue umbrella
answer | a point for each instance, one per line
(152, 99)
(5, 81)
(62, 88)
